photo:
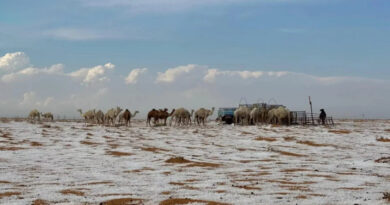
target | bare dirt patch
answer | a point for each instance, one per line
(340, 131)
(301, 197)
(153, 149)
(387, 130)
(9, 194)
(6, 136)
(295, 188)
(178, 160)
(97, 183)
(118, 154)
(203, 164)
(382, 139)
(5, 182)
(72, 192)
(177, 201)
(280, 193)
(246, 187)
(123, 201)
(383, 160)
(36, 144)
(268, 139)
(166, 193)
(351, 188)
(40, 202)
(89, 143)
(11, 148)
(321, 195)
(296, 170)
(289, 153)
(290, 182)
(314, 144)
(140, 170)
(289, 138)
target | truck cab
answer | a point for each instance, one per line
(226, 114)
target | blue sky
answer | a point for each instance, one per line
(333, 38)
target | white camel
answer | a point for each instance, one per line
(48, 116)
(241, 115)
(99, 117)
(111, 115)
(202, 114)
(34, 114)
(88, 116)
(181, 116)
(255, 115)
(279, 116)
(263, 115)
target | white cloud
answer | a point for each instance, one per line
(134, 74)
(94, 74)
(31, 100)
(212, 74)
(53, 70)
(28, 98)
(171, 74)
(14, 61)
(277, 73)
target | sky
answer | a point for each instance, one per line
(58, 56)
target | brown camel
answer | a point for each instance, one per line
(164, 114)
(158, 115)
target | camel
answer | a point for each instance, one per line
(182, 117)
(88, 116)
(164, 115)
(187, 117)
(126, 117)
(241, 115)
(255, 115)
(34, 114)
(202, 114)
(111, 115)
(263, 115)
(158, 115)
(279, 116)
(48, 116)
(99, 117)
(152, 114)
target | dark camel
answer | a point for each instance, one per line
(127, 117)
(158, 115)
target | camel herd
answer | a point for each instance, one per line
(36, 115)
(178, 117)
(278, 115)
(109, 118)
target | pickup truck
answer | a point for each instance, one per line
(226, 114)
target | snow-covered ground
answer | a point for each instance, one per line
(71, 163)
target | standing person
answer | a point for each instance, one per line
(323, 116)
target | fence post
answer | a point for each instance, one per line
(311, 110)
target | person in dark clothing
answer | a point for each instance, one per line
(323, 116)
